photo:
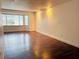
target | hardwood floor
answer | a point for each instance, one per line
(33, 45)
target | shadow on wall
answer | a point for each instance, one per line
(58, 2)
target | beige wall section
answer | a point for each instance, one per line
(32, 22)
(61, 22)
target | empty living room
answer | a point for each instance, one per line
(39, 29)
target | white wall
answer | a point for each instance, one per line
(60, 22)
(1, 36)
(1, 39)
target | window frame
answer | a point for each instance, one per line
(23, 20)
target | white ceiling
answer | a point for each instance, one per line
(30, 5)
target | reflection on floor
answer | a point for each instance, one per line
(34, 45)
(17, 46)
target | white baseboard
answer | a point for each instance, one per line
(65, 41)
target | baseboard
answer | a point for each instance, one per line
(15, 31)
(18, 32)
(65, 41)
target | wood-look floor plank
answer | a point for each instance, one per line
(33, 45)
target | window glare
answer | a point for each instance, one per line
(14, 20)
(21, 20)
(26, 20)
(4, 19)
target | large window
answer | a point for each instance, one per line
(14, 20)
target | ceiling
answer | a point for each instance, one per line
(30, 4)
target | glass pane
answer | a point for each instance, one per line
(21, 20)
(26, 20)
(4, 19)
(12, 20)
